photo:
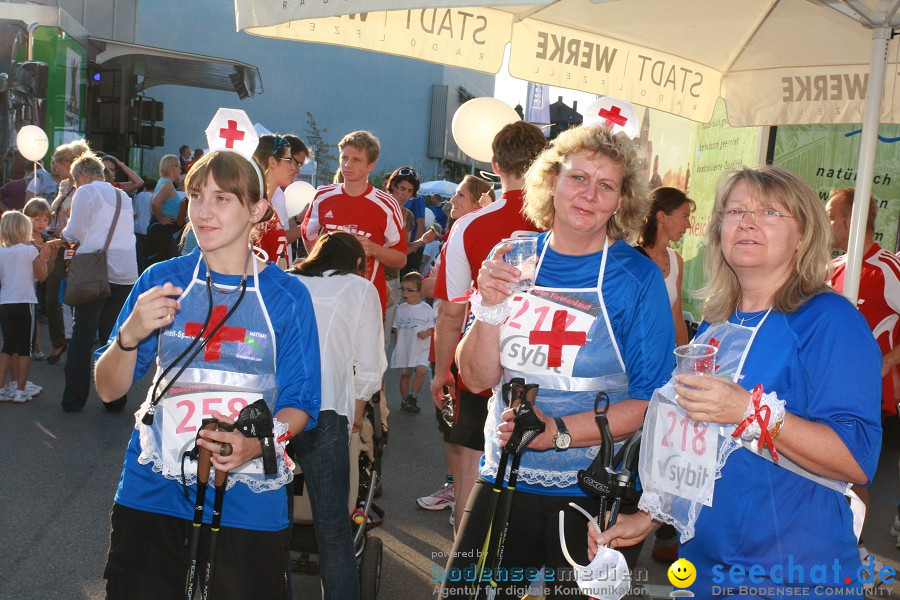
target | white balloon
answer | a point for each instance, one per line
(476, 122)
(429, 218)
(32, 142)
(298, 196)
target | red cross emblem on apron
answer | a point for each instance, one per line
(557, 337)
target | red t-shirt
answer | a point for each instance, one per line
(879, 302)
(374, 214)
(274, 242)
(471, 240)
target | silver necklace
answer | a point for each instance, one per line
(751, 317)
(243, 277)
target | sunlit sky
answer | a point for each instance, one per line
(514, 91)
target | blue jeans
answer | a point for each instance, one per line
(324, 456)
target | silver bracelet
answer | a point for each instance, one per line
(490, 315)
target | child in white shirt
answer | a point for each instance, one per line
(20, 264)
(414, 322)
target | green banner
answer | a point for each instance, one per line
(826, 157)
(67, 89)
(693, 157)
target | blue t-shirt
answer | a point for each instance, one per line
(417, 207)
(297, 376)
(823, 361)
(639, 312)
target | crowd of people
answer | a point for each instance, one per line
(214, 283)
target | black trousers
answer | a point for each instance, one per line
(149, 559)
(532, 542)
(89, 319)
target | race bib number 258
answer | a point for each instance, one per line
(183, 414)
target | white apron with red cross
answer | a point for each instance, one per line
(562, 340)
(236, 368)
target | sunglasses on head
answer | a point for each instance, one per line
(407, 172)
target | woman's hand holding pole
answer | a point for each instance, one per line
(230, 449)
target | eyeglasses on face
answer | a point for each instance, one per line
(766, 216)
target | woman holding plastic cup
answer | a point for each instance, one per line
(772, 440)
(597, 319)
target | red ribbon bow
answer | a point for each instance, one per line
(761, 414)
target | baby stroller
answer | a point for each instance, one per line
(366, 447)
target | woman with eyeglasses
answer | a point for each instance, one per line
(274, 154)
(348, 315)
(797, 382)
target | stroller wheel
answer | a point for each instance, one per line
(370, 568)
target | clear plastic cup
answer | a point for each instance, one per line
(695, 359)
(523, 256)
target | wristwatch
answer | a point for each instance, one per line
(562, 439)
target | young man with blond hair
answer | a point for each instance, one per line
(357, 207)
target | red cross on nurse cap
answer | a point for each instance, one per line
(231, 129)
(615, 113)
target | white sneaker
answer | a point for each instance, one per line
(452, 520)
(5, 395)
(21, 397)
(32, 388)
(439, 500)
(868, 559)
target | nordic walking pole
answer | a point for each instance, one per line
(496, 492)
(221, 481)
(623, 477)
(203, 465)
(527, 428)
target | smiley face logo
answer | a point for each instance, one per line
(682, 573)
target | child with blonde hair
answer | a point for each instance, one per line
(20, 265)
(38, 210)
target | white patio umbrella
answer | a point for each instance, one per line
(442, 188)
(775, 62)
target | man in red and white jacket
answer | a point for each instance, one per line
(470, 242)
(879, 301)
(879, 287)
(356, 207)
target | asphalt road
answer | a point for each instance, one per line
(59, 471)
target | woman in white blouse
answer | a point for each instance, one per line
(92, 214)
(348, 315)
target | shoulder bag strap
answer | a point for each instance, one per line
(112, 228)
(57, 204)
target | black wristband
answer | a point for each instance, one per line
(122, 346)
